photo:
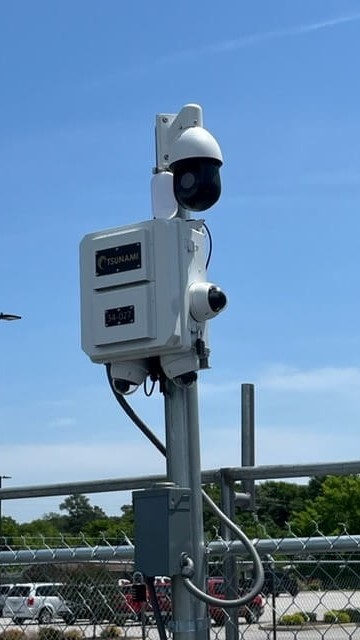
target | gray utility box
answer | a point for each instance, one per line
(162, 529)
(135, 289)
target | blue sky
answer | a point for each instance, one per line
(81, 83)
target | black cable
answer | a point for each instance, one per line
(133, 416)
(256, 588)
(150, 392)
(210, 244)
(156, 607)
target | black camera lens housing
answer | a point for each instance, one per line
(121, 386)
(217, 299)
(197, 185)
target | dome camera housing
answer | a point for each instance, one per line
(195, 160)
(207, 300)
(197, 183)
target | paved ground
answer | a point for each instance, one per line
(316, 601)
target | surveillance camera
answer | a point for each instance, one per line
(121, 386)
(195, 159)
(125, 375)
(207, 300)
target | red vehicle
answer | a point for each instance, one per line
(252, 612)
(144, 609)
(216, 587)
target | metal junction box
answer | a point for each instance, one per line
(162, 529)
(134, 289)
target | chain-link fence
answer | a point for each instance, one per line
(54, 590)
(60, 588)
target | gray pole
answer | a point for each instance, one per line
(1, 477)
(190, 619)
(229, 561)
(248, 436)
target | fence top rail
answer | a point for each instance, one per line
(290, 546)
(270, 472)
(105, 553)
(262, 472)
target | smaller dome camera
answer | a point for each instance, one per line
(207, 300)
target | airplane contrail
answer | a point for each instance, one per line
(252, 39)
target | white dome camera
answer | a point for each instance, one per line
(193, 156)
(207, 300)
(195, 160)
(128, 374)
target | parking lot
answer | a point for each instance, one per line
(316, 601)
(311, 601)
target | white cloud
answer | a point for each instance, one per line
(292, 444)
(281, 377)
(284, 378)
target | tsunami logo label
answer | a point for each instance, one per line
(118, 259)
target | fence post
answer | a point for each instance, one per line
(248, 437)
(227, 504)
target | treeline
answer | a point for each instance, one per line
(329, 505)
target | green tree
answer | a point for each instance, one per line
(315, 486)
(126, 521)
(337, 504)
(9, 529)
(58, 521)
(211, 521)
(39, 528)
(276, 502)
(80, 512)
(329, 502)
(104, 529)
(213, 525)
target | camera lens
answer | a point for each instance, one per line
(216, 299)
(197, 183)
(121, 386)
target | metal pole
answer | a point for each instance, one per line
(229, 562)
(271, 567)
(273, 608)
(261, 472)
(248, 436)
(1, 477)
(190, 619)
